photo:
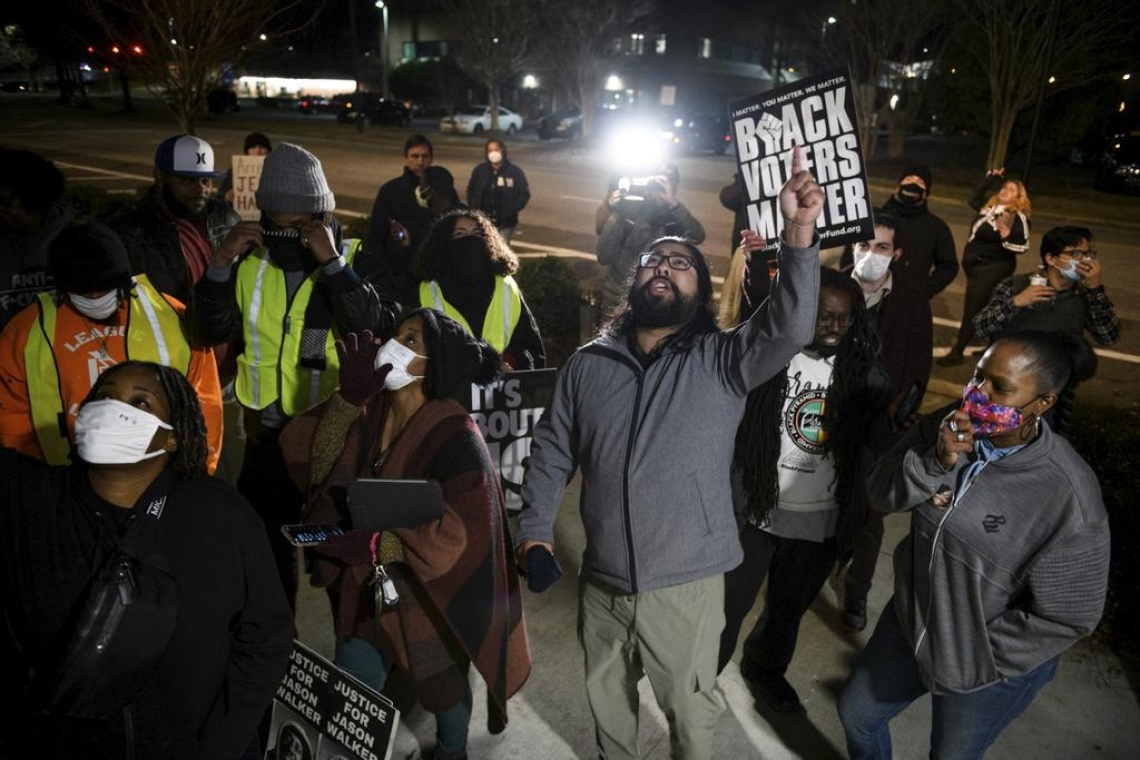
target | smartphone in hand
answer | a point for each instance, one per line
(310, 535)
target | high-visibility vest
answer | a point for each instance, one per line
(269, 368)
(153, 334)
(502, 315)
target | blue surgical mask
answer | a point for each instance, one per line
(1071, 272)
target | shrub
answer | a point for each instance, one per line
(551, 290)
(1107, 438)
(88, 202)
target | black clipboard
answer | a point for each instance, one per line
(384, 504)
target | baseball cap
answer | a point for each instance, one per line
(186, 156)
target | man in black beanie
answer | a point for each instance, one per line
(929, 261)
(98, 316)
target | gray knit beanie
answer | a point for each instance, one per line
(292, 182)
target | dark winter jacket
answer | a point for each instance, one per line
(929, 261)
(499, 193)
(150, 235)
(396, 200)
(234, 628)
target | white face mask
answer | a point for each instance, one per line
(96, 308)
(113, 432)
(870, 266)
(399, 356)
(494, 156)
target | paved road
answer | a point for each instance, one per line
(567, 179)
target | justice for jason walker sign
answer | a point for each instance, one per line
(817, 114)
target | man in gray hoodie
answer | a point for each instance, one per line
(648, 413)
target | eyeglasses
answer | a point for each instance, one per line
(676, 261)
(826, 318)
(1078, 254)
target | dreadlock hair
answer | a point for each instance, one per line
(853, 397)
(189, 460)
(623, 323)
(430, 261)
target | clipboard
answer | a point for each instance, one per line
(384, 504)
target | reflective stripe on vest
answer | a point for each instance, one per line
(268, 369)
(502, 315)
(154, 334)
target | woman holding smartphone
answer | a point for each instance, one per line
(1006, 564)
(187, 673)
(440, 597)
(999, 234)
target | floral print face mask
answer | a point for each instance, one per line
(987, 418)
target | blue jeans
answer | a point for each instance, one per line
(886, 680)
(369, 665)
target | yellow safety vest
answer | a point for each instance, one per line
(269, 369)
(502, 315)
(154, 334)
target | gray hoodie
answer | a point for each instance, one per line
(655, 444)
(1009, 576)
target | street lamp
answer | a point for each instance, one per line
(383, 47)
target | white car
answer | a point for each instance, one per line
(474, 119)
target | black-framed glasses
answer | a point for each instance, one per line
(676, 261)
(826, 318)
(1078, 254)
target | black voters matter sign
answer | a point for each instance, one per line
(818, 115)
(322, 713)
(506, 413)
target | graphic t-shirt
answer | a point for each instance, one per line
(806, 508)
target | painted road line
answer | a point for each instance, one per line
(581, 199)
(108, 172)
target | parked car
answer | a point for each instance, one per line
(373, 109)
(705, 132)
(473, 120)
(1119, 170)
(321, 104)
(564, 123)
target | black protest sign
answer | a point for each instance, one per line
(321, 713)
(506, 413)
(818, 115)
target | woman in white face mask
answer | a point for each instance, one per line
(395, 416)
(207, 601)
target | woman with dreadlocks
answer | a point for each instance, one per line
(204, 632)
(798, 473)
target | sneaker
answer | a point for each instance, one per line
(777, 693)
(855, 612)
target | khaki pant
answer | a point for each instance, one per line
(672, 636)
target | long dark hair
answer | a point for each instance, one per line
(430, 260)
(853, 397)
(189, 461)
(623, 323)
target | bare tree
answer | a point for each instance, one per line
(1014, 49)
(495, 37)
(183, 44)
(581, 45)
(881, 41)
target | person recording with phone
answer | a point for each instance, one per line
(144, 613)
(287, 294)
(636, 212)
(905, 325)
(1005, 566)
(433, 599)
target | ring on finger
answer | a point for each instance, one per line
(960, 437)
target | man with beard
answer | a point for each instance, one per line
(172, 234)
(930, 261)
(645, 411)
(626, 222)
(287, 301)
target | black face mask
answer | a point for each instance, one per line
(911, 194)
(468, 259)
(286, 250)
